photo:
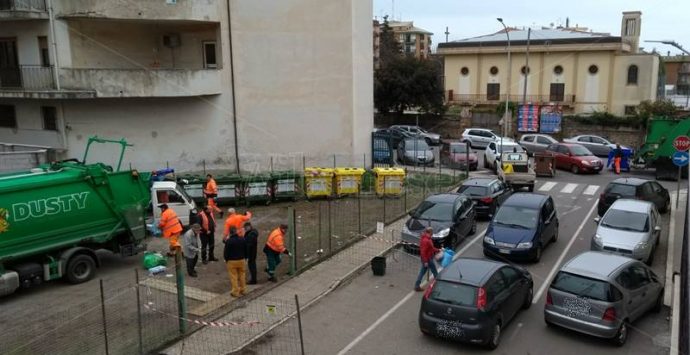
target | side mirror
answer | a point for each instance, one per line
(657, 229)
(597, 220)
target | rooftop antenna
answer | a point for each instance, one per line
(447, 33)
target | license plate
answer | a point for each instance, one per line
(504, 251)
(577, 307)
(449, 329)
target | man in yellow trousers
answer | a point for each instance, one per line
(235, 255)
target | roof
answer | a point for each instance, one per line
(594, 263)
(676, 59)
(629, 181)
(444, 198)
(469, 270)
(525, 199)
(478, 182)
(537, 37)
(395, 26)
(631, 205)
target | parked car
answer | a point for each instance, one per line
(600, 146)
(536, 143)
(419, 132)
(451, 215)
(415, 151)
(575, 158)
(601, 294)
(479, 137)
(473, 300)
(454, 154)
(522, 227)
(630, 228)
(486, 193)
(634, 188)
(494, 151)
(392, 135)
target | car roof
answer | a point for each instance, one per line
(479, 129)
(626, 204)
(526, 199)
(596, 264)
(448, 197)
(470, 271)
(478, 182)
(629, 181)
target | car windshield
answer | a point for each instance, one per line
(418, 145)
(581, 286)
(620, 189)
(458, 148)
(580, 151)
(626, 220)
(433, 211)
(454, 293)
(510, 148)
(473, 190)
(517, 217)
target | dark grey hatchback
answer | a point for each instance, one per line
(472, 300)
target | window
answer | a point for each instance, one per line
(582, 286)
(563, 150)
(464, 71)
(543, 140)
(169, 196)
(43, 50)
(492, 146)
(584, 139)
(630, 110)
(647, 190)
(8, 117)
(657, 188)
(454, 293)
(49, 118)
(558, 70)
(632, 75)
(557, 92)
(633, 277)
(210, 55)
(495, 286)
(493, 70)
(630, 27)
(593, 69)
(597, 140)
(528, 138)
(510, 275)
(493, 91)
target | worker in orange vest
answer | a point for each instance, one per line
(275, 245)
(211, 192)
(171, 227)
(235, 220)
(208, 232)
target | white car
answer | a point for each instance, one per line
(493, 152)
(479, 137)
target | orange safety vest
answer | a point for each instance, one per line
(276, 241)
(170, 224)
(205, 221)
(236, 220)
(211, 187)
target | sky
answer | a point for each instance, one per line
(661, 19)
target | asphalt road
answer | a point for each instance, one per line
(378, 315)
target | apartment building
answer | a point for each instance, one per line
(413, 40)
(581, 71)
(678, 73)
(160, 74)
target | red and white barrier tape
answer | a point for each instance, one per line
(219, 324)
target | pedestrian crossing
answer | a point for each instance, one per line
(569, 188)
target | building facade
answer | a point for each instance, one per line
(413, 40)
(160, 74)
(580, 71)
(678, 73)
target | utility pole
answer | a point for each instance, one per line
(447, 33)
(524, 89)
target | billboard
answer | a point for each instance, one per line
(550, 120)
(528, 118)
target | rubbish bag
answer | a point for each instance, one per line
(448, 255)
(152, 259)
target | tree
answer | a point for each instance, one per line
(406, 82)
(648, 109)
(389, 48)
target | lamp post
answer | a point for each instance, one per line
(506, 124)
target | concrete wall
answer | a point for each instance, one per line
(647, 78)
(188, 10)
(30, 124)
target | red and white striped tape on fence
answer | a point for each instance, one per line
(201, 322)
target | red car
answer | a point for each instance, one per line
(575, 158)
(454, 155)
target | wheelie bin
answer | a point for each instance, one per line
(229, 189)
(286, 185)
(348, 181)
(318, 182)
(389, 181)
(257, 188)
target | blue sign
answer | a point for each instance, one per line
(680, 158)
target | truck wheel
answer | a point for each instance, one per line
(531, 188)
(81, 268)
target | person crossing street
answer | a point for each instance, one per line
(275, 245)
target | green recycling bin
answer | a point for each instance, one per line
(194, 187)
(287, 185)
(229, 189)
(257, 188)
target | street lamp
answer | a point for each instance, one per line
(506, 124)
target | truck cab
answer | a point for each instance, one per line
(175, 196)
(515, 171)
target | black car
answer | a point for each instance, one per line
(634, 188)
(394, 136)
(486, 193)
(451, 215)
(473, 300)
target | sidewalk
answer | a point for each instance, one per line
(277, 305)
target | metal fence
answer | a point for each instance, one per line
(35, 77)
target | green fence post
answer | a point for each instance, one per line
(292, 236)
(181, 300)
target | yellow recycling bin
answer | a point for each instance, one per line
(318, 182)
(348, 180)
(389, 181)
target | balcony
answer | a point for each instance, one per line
(143, 82)
(203, 11)
(483, 99)
(34, 82)
(23, 10)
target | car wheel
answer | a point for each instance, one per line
(530, 188)
(474, 228)
(575, 169)
(667, 206)
(495, 338)
(555, 235)
(537, 254)
(81, 268)
(650, 258)
(659, 302)
(428, 141)
(527, 303)
(622, 335)
(486, 163)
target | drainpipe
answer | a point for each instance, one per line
(56, 65)
(232, 87)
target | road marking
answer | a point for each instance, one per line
(547, 186)
(407, 297)
(569, 188)
(556, 266)
(575, 208)
(668, 288)
(591, 190)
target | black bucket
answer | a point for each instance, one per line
(378, 265)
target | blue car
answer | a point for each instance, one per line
(522, 227)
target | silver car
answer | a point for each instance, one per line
(536, 143)
(419, 132)
(415, 152)
(600, 146)
(630, 228)
(600, 294)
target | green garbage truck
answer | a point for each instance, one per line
(54, 217)
(658, 147)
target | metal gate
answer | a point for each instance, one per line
(381, 150)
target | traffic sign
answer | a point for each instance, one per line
(680, 158)
(681, 143)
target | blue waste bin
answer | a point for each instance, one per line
(625, 160)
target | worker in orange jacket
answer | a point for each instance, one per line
(275, 245)
(171, 227)
(235, 220)
(211, 192)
